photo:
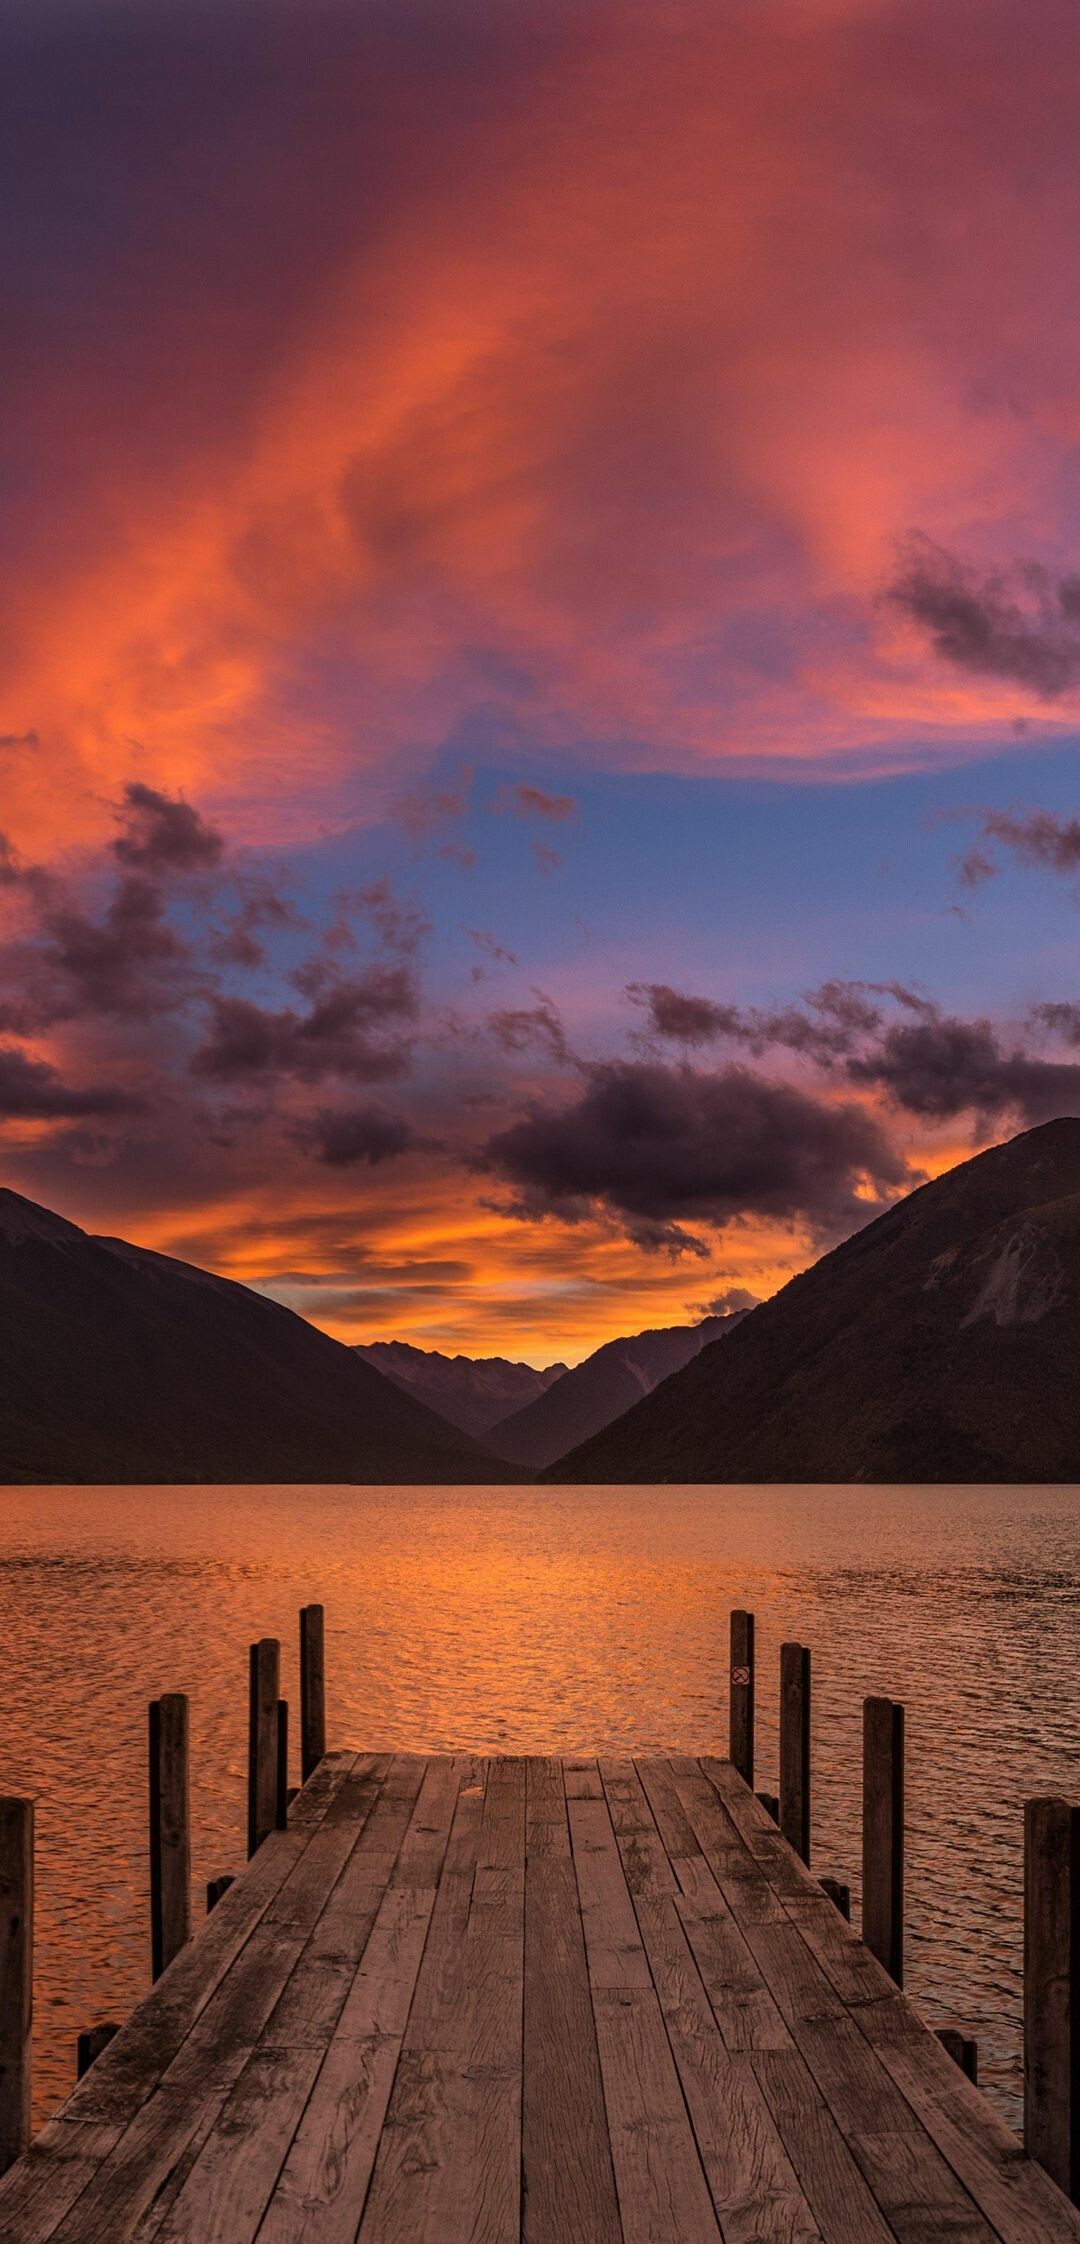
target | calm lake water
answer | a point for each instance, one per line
(523, 1619)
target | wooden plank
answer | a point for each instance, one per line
(226, 2193)
(90, 2045)
(753, 2185)
(1052, 1989)
(839, 2196)
(741, 1696)
(189, 2093)
(66, 2156)
(663, 2194)
(443, 2173)
(170, 1830)
(16, 1974)
(312, 1688)
(1016, 2196)
(311, 2117)
(883, 1834)
(263, 1692)
(568, 2181)
(795, 1747)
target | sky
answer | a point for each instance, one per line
(540, 636)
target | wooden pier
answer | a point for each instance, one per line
(539, 2001)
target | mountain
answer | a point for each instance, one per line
(121, 1365)
(939, 1344)
(470, 1392)
(608, 1383)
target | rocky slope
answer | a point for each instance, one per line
(472, 1392)
(121, 1365)
(942, 1343)
(609, 1382)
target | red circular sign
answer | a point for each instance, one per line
(740, 1676)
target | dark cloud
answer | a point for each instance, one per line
(18, 740)
(340, 1138)
(942, 1067)
(828, 1024)
(161, 834)
(236, 942)
(1022, 624)
(31, 1090)
(493, 950)
(1060, 1017)
(682, 1019)
(128, 961)
(1033, 837)
(654, 1145)
(525, 801)
(346, 1030)
(727, 1304)
(530, 1028)
(427, 809)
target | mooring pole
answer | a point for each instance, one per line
(16, 1975)
(795, 1747)
(281, 1813)
(741, 1697)
(265, 1665)
(1052, 1989)
(312, 1689)
(170, 1835)
(883, 1833)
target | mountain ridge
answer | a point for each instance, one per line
(119, 1364)
(938, 1344)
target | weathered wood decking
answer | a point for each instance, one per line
(569, 2002)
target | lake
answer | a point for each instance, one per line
(525, 1619)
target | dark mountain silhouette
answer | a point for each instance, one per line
(940, 1344)
(609, 1382)
(121, 1365)
(470, 1392)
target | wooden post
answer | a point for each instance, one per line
(215, 1887)
(89, 2046)
(883, 1833)
(262, 1740)
(1052, 1989)
(312, 1689)
(16, 1975)
(741, 1697)
(795, 1747)
(170, 1838)
(771, 1804)
(839, 1894)
(963, 2051)
(281, 1816)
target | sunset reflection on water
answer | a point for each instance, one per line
(522, 1619)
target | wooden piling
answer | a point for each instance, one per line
(170, 1837)
(795, 1747)
(281, 1816)
(963, 2051)
(838, 1893)
(16, 1974)
(741, 1697)
(771, 1804)
(883, 1833)
(312, 1689)
(265, 1667)
(215, 1887)
(89, 2045)
(1052, 1989)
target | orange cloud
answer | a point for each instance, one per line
(596, 414)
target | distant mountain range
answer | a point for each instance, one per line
(939, 1344)
(599, 1390)
(121, 1365)
(472, 1392)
